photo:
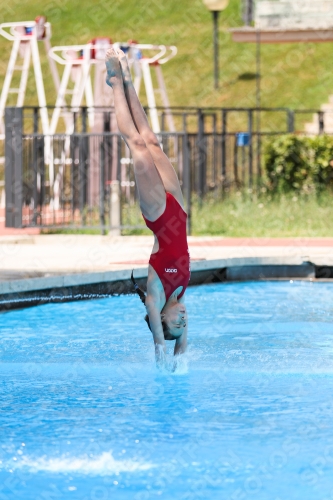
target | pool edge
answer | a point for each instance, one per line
(29, 292)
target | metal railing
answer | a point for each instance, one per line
(86, 180)
(189, 119)
(79, 180)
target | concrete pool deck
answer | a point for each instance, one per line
(61, 267)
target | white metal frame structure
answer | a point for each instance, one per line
(25, 37)
(82, 58)
(76, 60)
(102, 93)
(141, 67)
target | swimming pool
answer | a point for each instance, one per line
(85, 414)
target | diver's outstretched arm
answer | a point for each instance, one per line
(156, 328)
(154, 289)
(181, 343)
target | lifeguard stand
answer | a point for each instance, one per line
(102, 94)
(79, 61)
(141, 65)
(25, 37)
(76, 60)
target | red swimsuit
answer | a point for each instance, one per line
(172, 261)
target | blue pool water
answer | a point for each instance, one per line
(84, 413)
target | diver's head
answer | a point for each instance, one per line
(173, 320)
(173, 317)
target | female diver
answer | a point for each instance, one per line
(162, 207)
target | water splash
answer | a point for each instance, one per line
(102, 465)
(180, 364)
(167, 363)
(161, 358)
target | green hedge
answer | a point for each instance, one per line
(302, 164)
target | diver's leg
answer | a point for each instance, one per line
(166, 170)
(150, 186)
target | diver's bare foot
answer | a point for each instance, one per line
(113, 69)
(124, 66)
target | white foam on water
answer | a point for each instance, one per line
(180, 364)
(174, 365)
(104, 464)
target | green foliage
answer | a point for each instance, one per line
(320, 154)
(246, 214)
(299, 164)
(286, 164)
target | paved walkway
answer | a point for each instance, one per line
(36, 255)
(9, 231)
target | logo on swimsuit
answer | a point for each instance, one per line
(171, 270)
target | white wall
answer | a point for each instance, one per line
(294, 13)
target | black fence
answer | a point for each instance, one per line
(85, 179)
(190, 119)
(80, 180)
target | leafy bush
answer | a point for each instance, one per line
(320, 152)
(300, 164)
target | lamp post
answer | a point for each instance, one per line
(215, 6)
